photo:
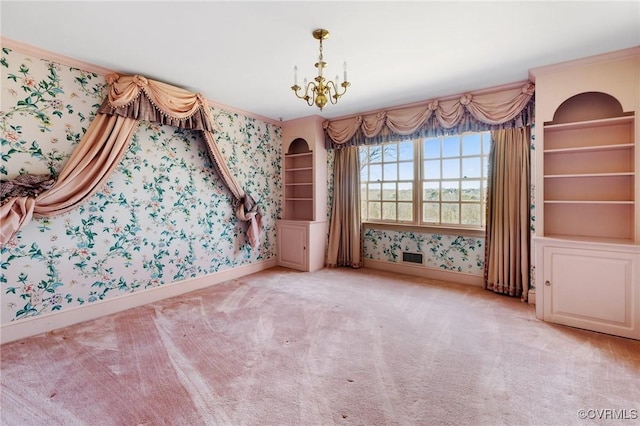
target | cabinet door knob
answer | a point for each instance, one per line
(547, 283)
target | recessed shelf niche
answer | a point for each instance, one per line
(298, 181)
(589, 170)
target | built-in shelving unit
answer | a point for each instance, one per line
(298, 181)
(586, 262)
(302, 229)
(589, 172)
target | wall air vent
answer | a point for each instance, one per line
(412, 257)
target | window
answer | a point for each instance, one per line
(439, 181)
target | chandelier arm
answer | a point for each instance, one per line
(332, 92)
(310, 87)
(331, 86)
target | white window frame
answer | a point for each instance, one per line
(418, 224)
(378, 185)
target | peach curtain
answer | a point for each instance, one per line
(467, 112)
(129, 100)
(89, 166)
(507, 240)
(344, 229)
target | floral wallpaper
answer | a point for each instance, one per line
(532, 222)
(330, 176)
(448, 252)
(163, 216)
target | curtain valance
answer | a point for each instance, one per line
(143, 99)
(129, 100)
(507, 108)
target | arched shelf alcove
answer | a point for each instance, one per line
(298, 146)
(588, 106)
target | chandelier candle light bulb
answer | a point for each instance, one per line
(320, 90)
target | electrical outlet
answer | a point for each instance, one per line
(36, 298)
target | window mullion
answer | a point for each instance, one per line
(441, 195)
(417, 181)
(460, 179)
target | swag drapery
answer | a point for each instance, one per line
(507, 108)
(130, 99)
(506, 113)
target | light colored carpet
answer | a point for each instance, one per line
(337, 346)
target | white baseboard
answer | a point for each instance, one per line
(425, 272)
(531, 296)
(32, 326)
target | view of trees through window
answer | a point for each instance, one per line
(432, 181)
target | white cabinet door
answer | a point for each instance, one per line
(292, 245)
(592, 289)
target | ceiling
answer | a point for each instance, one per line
(242, 54)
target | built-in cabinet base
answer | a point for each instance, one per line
(589, 285)
(301, 244)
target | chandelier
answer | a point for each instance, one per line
(319, 91)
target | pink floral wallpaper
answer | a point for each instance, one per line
(441, 251)
(163, 217)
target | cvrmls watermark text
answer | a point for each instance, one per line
(608, 414)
